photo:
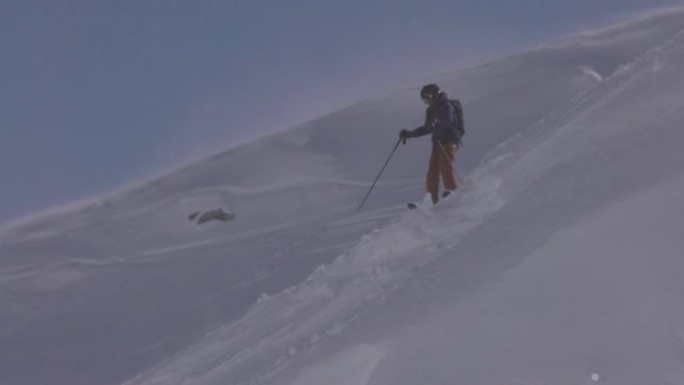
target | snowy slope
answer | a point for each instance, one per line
(559, 259)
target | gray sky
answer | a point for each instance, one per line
(96, 94)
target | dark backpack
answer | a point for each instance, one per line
(458, 109)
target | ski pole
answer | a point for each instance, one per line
(453, 169)
(380, 173)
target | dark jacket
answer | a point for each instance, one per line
(440, 121)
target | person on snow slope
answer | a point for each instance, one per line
(442, 121)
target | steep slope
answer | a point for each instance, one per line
(561, 263)
(576, 279)
(102, 293)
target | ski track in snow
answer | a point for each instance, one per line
(330, 298)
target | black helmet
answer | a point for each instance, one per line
(429, 92)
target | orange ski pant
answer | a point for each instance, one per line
(441, 165)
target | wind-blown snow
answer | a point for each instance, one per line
(558, 262)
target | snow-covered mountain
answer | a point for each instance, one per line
(560, 260)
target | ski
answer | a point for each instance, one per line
(446, 195)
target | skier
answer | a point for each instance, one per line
(442, 121)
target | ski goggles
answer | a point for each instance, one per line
(427, 99)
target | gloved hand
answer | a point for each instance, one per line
(405, 134)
